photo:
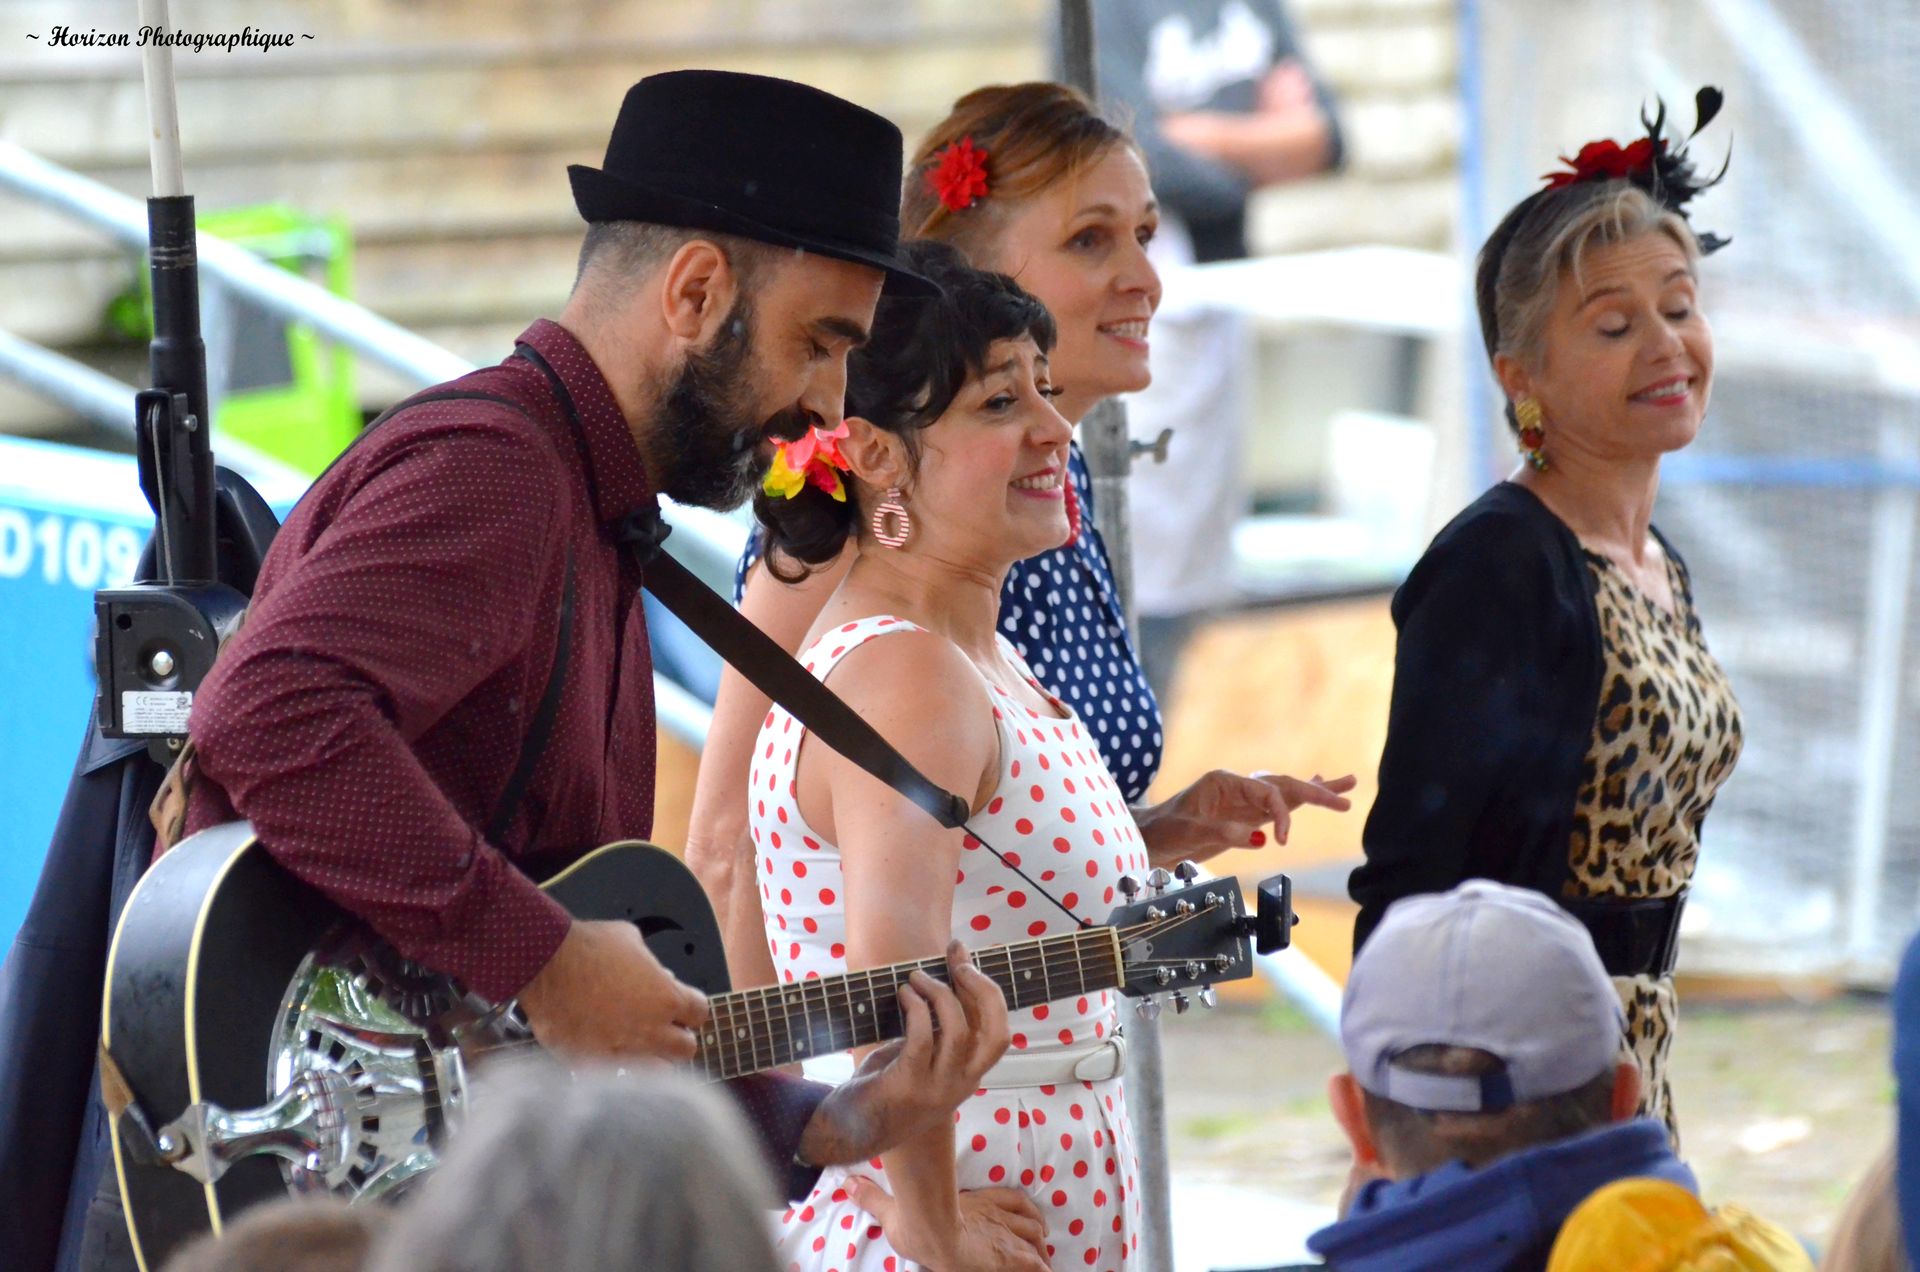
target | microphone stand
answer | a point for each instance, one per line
(156, 639)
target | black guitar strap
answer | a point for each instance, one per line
(776, 673)
(755, 655)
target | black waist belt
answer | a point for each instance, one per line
(1635, 938)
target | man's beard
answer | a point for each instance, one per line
(706, 437)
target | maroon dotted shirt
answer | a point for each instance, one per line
(368, 715)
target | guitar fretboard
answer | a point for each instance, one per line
(752, 1030)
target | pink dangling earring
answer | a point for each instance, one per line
(891, 524)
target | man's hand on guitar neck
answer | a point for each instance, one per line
(918, 1081)
(603, 993)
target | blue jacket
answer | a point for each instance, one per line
(1501, 1217)
(1906, 1073)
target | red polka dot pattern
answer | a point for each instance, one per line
(1002, 1135)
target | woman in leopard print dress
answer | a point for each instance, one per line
(1557, 720)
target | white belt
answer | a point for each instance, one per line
(1056, 1066)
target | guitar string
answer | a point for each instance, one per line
(761, 1059)
(1022, 961)
(708, 1057)
(839, 994)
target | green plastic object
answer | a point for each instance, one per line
(290, 393)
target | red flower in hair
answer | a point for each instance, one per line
(960, 176)
(1604, 161)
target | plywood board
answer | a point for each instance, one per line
(1300, 690)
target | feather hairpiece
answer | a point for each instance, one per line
(1663, 170)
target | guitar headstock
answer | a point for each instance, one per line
(1183, 933)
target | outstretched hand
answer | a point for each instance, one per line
(916, 1082)
(1225, 810)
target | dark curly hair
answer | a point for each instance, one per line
(920, 354)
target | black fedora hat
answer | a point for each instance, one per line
(764, 158)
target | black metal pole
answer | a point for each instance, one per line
(155, 639)
(176, 457)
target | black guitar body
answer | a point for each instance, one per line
(197, 984)
(265, 1044)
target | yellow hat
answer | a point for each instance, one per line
(1651, 1225)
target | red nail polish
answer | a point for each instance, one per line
(1258, 839)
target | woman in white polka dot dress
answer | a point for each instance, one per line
(949, 422)
(1066, 210)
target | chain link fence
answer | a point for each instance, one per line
(1797, 508)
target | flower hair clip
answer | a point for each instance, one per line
(813, 459)
(959, 175)
(1663, 171)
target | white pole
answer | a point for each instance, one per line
(163, 112)
(1889, 577)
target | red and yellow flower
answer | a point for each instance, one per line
(810, 460)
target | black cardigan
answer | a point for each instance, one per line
(1496, 681)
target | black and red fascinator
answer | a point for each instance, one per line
(1664, 170)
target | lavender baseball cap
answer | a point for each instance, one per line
(1497, 968)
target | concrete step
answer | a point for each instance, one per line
(427, 185)
(442, 129)
(434, 103)
(336, 23)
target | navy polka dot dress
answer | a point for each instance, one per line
(1062, 612)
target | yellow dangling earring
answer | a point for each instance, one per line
(1533, 431)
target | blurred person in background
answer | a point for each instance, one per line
(1869, 1236)
(1906, 1079)
(1485, 1095)
(1030, 181)
(1224, 102)
(303, 1235)
(607, 1170)
(1557, 721)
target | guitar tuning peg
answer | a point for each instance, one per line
(1187, 872)
(1207, 997)
(1149, 1008)
(1158, 881)
(1180, 1003)
(1129, 887)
